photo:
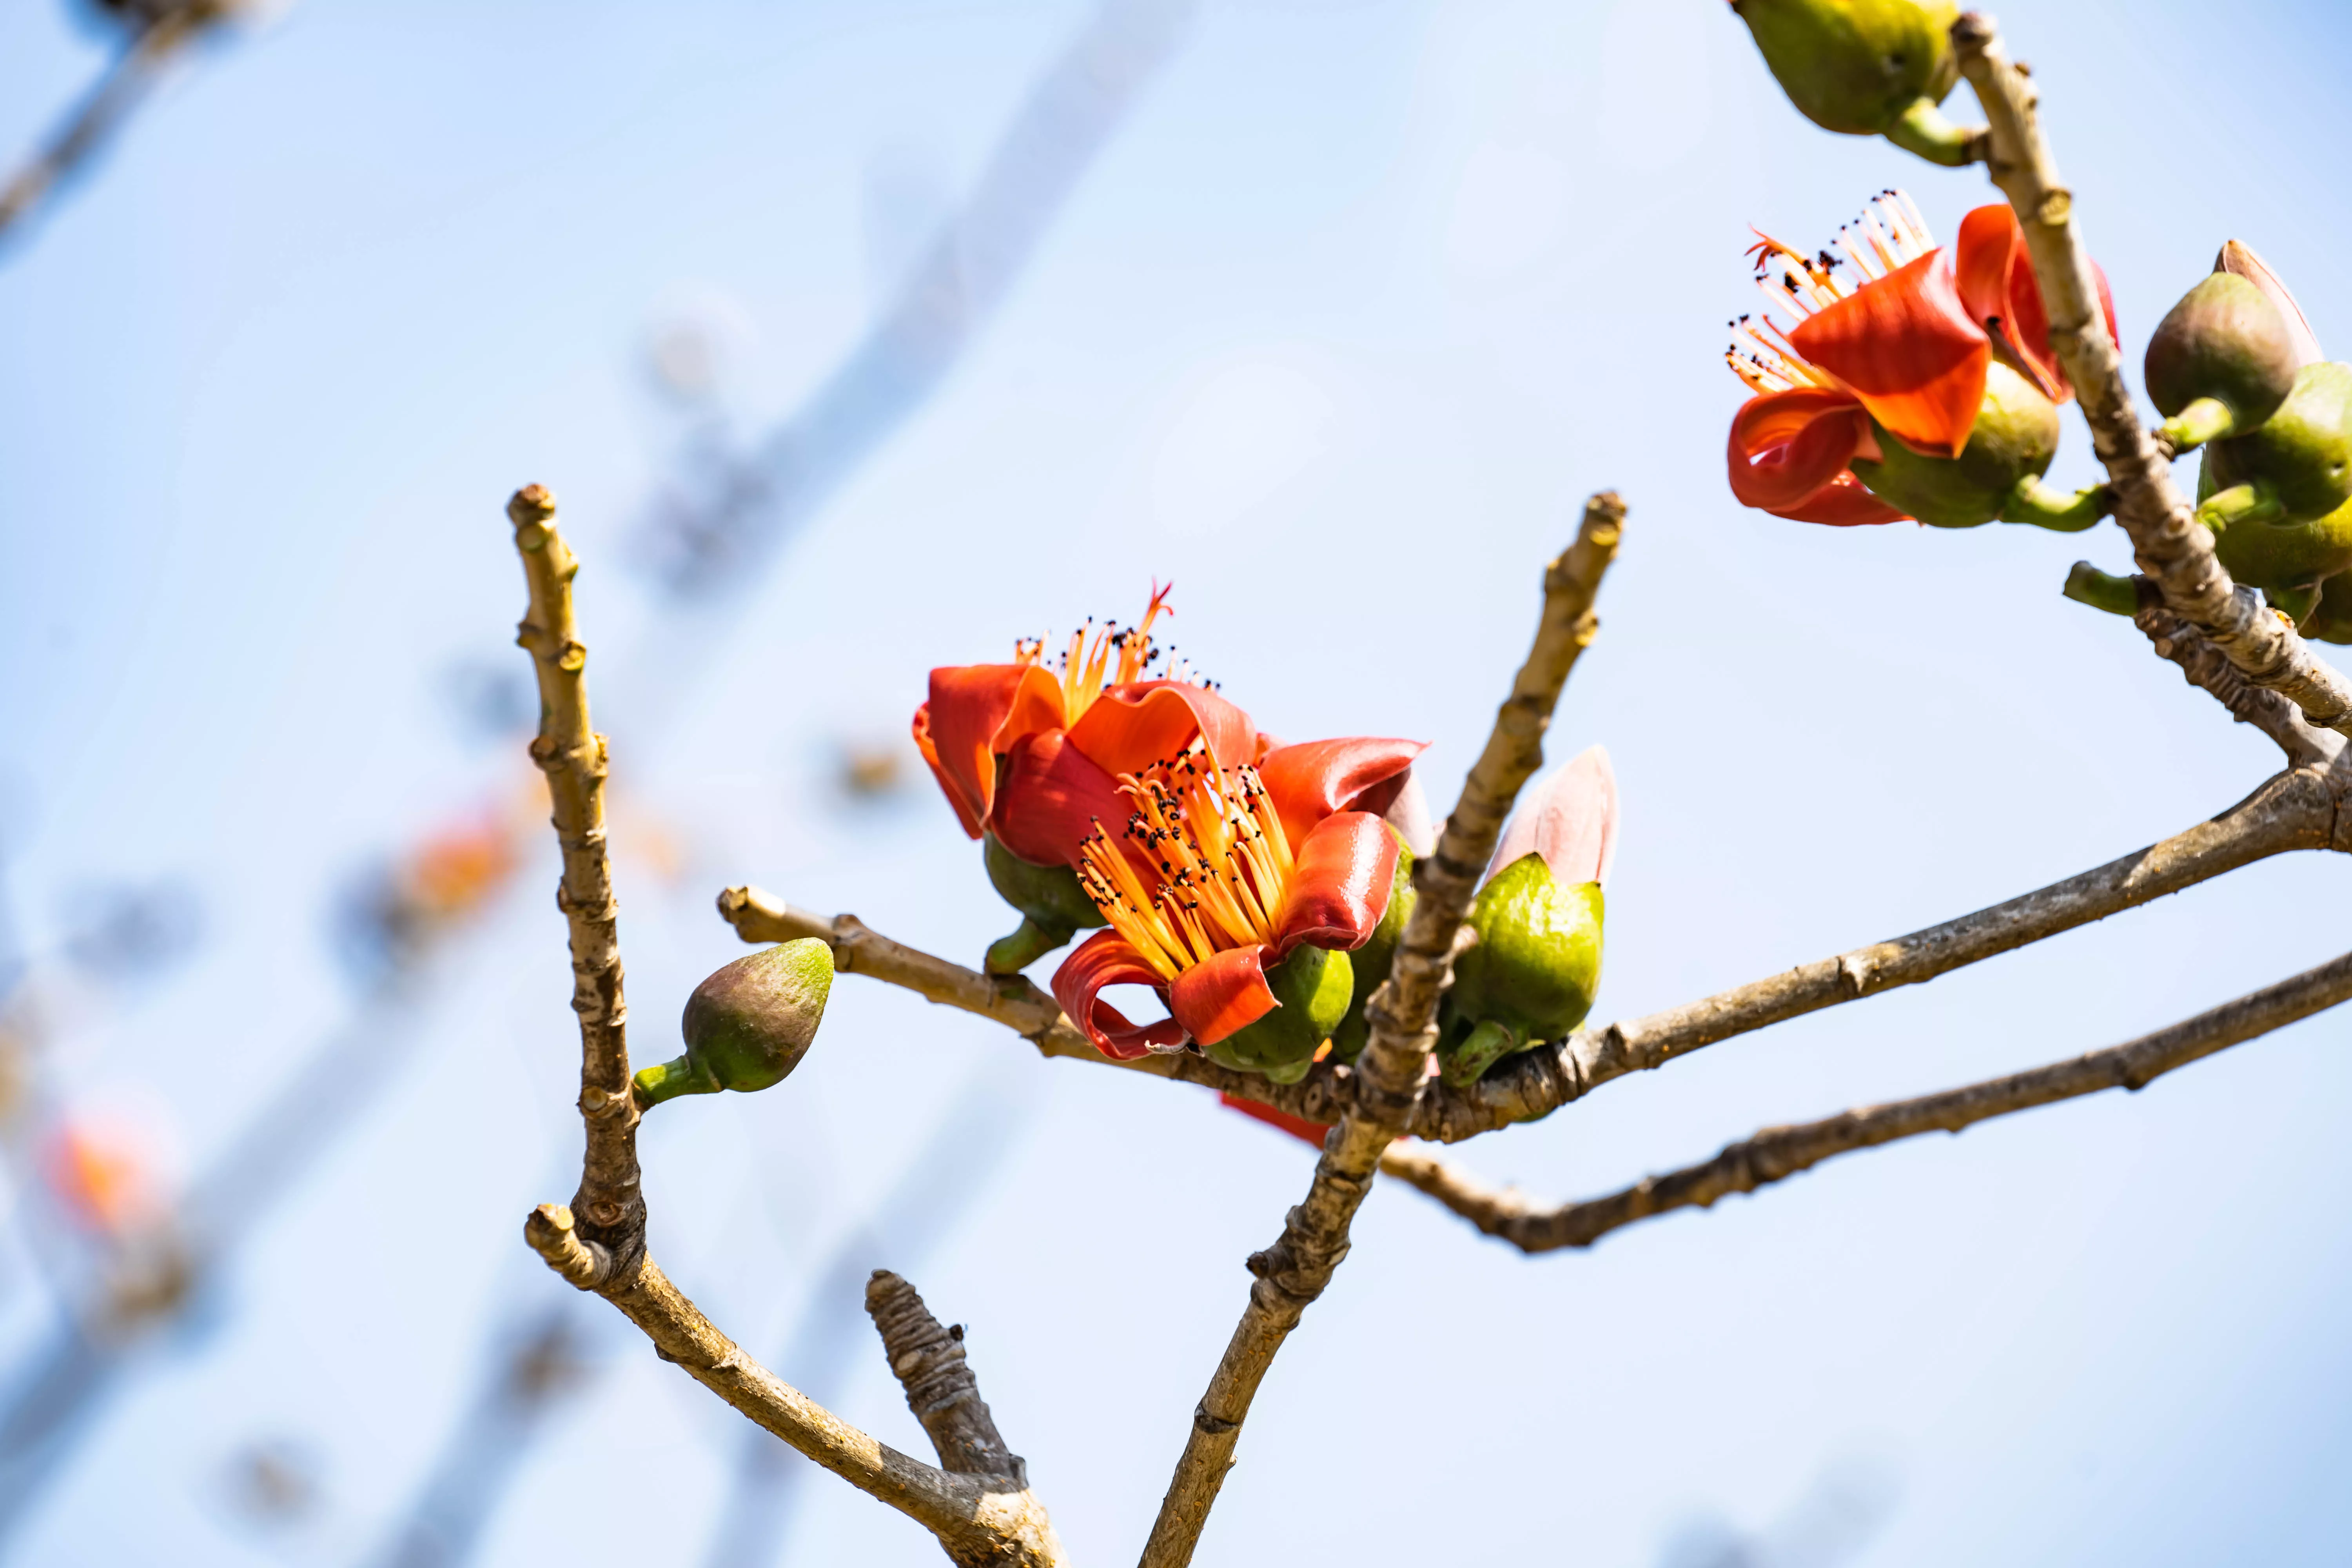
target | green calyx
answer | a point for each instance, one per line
(2013, 439)
(1864, 68)
(2300, 458)
(2219, 363)
(748, 1025)
(1054, 907)
(1370, 964)
(1312, 989)
(2261, 542)
(1531, 974)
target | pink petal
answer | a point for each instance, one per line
(1570, 819)
(2238, 257)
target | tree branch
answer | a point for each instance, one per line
(2172, 546)
(1293, 1273)
(2296, 810)
(1778, 1152)
(2204, 665)
(988, 1518)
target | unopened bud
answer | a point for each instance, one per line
(2220, 361)
(1864, 67)
(748, 1025)
(2299, 461)
(1533, 972)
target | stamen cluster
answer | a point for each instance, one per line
(1889, 234)
(1208, 869)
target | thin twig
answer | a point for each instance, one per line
(1294, 1271)
(125, 84)
(1778, 1152)
(2297, 810)
(978, 1519)
(2172, 546)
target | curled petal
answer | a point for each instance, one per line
(975, 711)
(1994, 273)
(1228, 992)
(1789, 446)
(1908, 349)
(2238, 257)
(1339, 885)
(1296, 1126)
(1128, 728)
(1103, 960)
(1311, 780)
(1570, 819)
(1845, 502)
(1050, 796)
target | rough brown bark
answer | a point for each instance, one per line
(2173, 548)
(2205, 667)
(1294, 1271)
(978, 1519)
(2297, 810)
(1778, 1152)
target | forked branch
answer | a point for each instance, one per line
(1293, 1273)
(1778, 1152)
(980, 1516)
(2172, 548)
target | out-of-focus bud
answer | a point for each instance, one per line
(748, 1025)
(2296, 467)
(1997, 475)
(2238, 258)
(2220, 361)
(1054, 908)
(1369, 964)
(1313, 987)
(1532, 973)
(101, 1176)
(1865, 68)
(2331, 619)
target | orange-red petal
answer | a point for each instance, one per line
(1339, 885)
(1128, 728)
(975, 711)
(1788, 447)
(1296, 1126)
(1050, 798)
(1309, 781)
(1907, 348)
(1994, 273)
(1226, 994)
(1845, 502)
(1105, 959)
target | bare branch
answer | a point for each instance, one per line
(2294, 811)
(929, 1364)
(2172, 546)
(2204, 665)
(1294, 1271)
(978, 1517)
(1778, 1152)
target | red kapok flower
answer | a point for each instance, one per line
(1220, 873)
(1905, 346)
(1033, 755)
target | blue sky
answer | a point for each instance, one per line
(1337, 332)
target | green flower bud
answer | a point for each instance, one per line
(748, 1026)
(2264, 546)
(1054, 907)
(2219, 362)
(1314, 986)
(1864, 67)
(1532, 973)
(2299, 462)
(2012, 441)
(1370, 964)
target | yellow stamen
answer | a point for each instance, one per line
(1097, 657)
(1215, 863)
